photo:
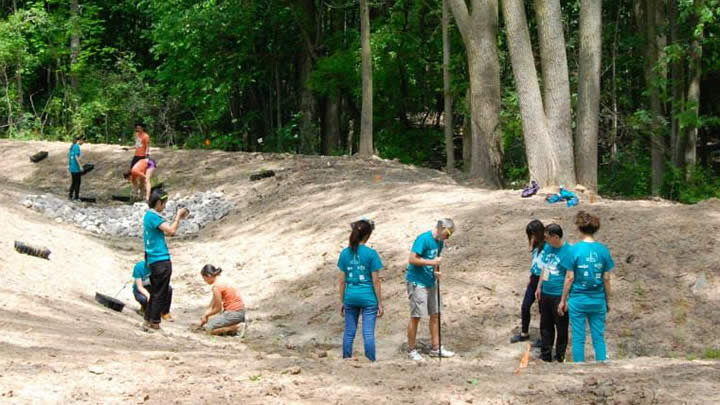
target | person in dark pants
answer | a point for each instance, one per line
(75, 167)
(141, 290)
(157, 257)
(549, 293)
(142, 144)
(535, 231)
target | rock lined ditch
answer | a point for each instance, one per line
(126, 220)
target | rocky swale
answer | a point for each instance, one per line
(126, 220)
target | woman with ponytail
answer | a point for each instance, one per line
(535, 231)
(359, 287)
(225, 301)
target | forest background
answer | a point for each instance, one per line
(615, 94)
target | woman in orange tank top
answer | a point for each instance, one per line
(225, 302)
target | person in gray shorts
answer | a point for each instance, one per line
(226, 308)
(422, 289)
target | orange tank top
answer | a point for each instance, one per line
(231, 300)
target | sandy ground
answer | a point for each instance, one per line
(280, 246)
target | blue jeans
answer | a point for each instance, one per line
(369, 315)
(593, 310)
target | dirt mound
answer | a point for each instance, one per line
(280, 246)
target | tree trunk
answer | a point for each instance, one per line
(657, 140)
(447, 109)
(693, 94)
(550, 158)
(479, 32)
(331, 124)
(467, 134)
(308, 127)
(586, 138)
(366, 125)
(74, 43)
(18, 75)
(556, 85)
(678, 92)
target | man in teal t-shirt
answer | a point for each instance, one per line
(421, 286)
(549, 293)
(157, 257)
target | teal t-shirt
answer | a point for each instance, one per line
(535, 268)
(554, 271)
(590, 261)
(358, 268)
(427, 248)
(72, 162)
(154, 239)
(142, 272)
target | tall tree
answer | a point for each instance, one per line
(74, 43)
(18, 72)
(308, 30)
(479, 31)
(546, 117)
(588, 116)
(649, 14)
(366, 125)
(693, 93)
(448, 111)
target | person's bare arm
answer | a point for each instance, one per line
(569, 278)
(170, 230)
(378, 292)
(341, 290)
(606, 280)
(141, 288)
(215, 306)
(538, 290)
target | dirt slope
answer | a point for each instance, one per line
(280, 247)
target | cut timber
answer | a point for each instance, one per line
(261, 175)
(38, 156)
(110, 302)
(43, 253)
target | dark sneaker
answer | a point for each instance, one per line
(537, 343)
(519, 338)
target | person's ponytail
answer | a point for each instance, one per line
(361, 230)
(210, 271)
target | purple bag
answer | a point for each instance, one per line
(530, 190)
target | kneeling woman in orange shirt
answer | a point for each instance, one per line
(225, 301)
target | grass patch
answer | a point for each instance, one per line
(711, 354)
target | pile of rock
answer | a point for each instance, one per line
(126, 220)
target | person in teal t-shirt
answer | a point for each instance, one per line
(421, 287)
(141, 289)
(75, 168)
(359, 285)
(549, 294)
(588, 286)
(157, 257)
(535, 232)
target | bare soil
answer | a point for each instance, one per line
(280, 246)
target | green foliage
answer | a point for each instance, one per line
(217, 74)
(411, 146)
(691, 187)
(711, 354)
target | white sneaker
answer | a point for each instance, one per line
(445, 352)
(415, 356)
